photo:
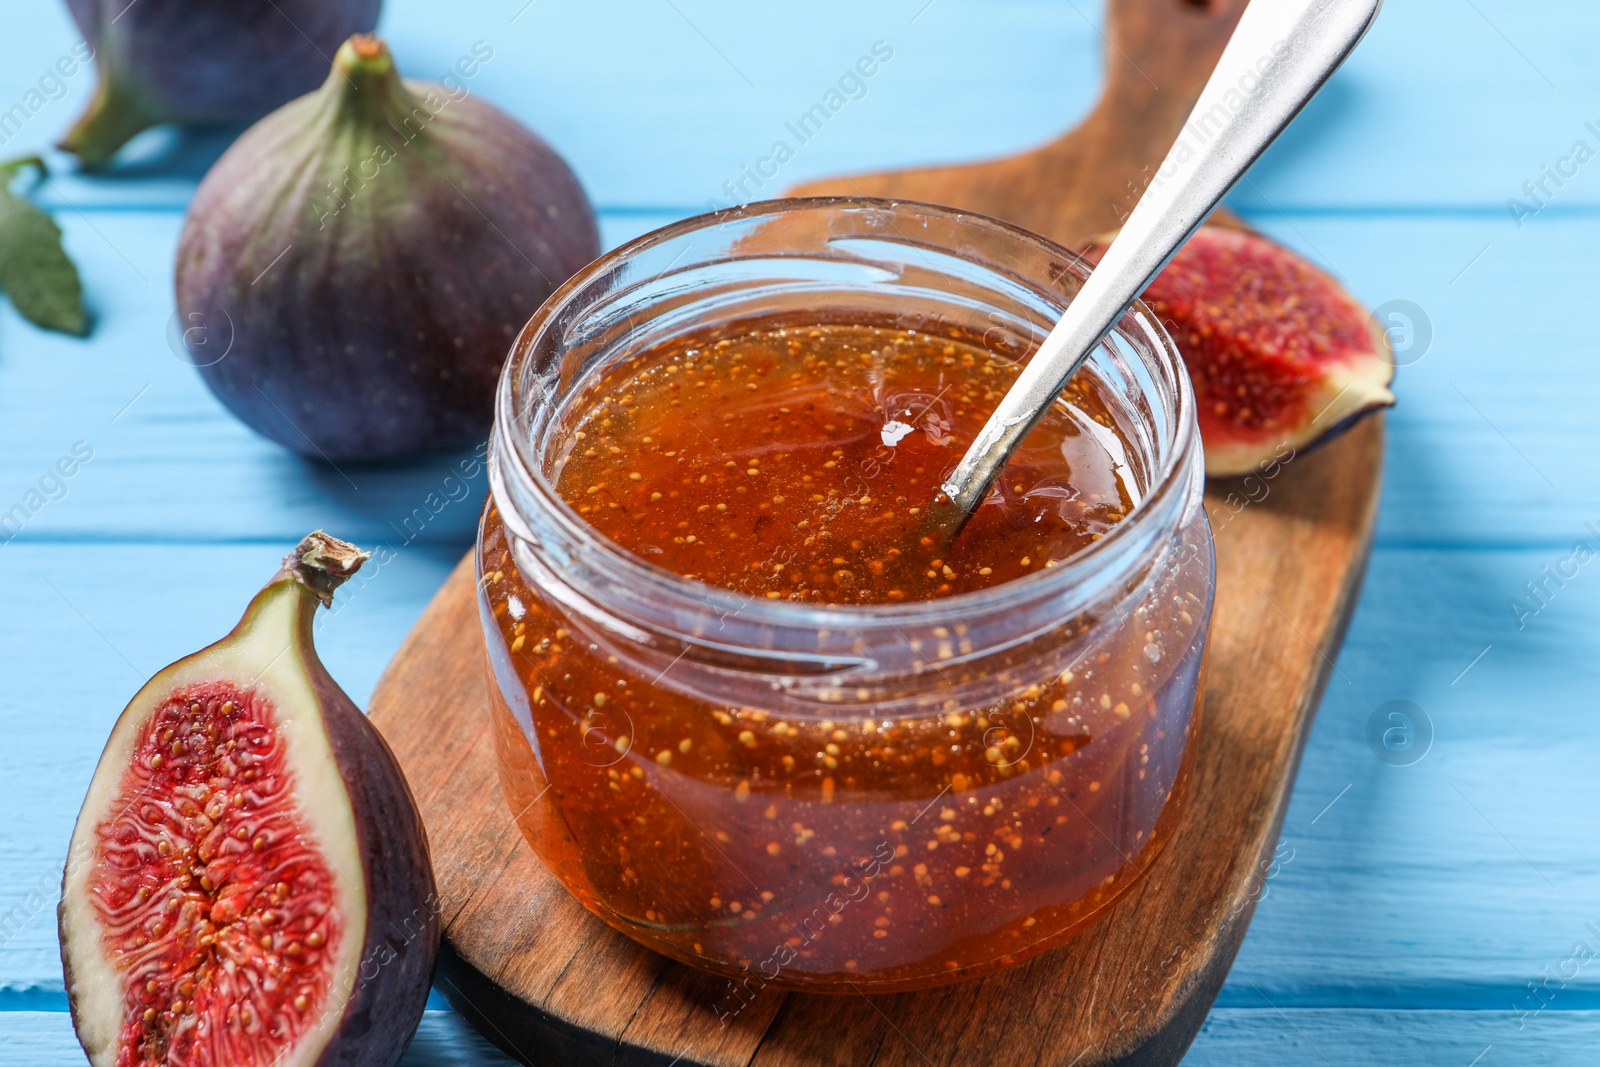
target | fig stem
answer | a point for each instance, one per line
(366, 83)
(322, 563)
(364, 57)
(112, 119)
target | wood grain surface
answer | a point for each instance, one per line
(550, 983)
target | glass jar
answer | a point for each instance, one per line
(834, 797)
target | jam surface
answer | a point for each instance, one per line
(793, 462)
(881, 842)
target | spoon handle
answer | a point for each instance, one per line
(1278, 57)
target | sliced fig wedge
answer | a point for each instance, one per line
(248, 882)
(1280, 354)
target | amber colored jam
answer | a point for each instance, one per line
(776, 445)
(838, 847)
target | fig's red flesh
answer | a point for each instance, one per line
(218, 913)
(1280, 354)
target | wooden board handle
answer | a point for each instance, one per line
(1081, 185)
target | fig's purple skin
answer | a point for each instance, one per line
(370, 252)
(201, 62)
(379, 996)
(403, 910)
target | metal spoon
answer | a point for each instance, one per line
(1280, 54)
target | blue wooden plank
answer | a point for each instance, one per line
(34, 1039)
(1232, 1036)
(974, 78)
(659, 105)
(1457, 880)
(1334, 1038)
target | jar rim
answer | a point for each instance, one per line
(530, 478)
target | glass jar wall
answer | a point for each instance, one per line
(827, 795)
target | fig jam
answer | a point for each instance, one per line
(794, 463)
(894, 834)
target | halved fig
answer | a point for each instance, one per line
(1280, 354)
(248, 882)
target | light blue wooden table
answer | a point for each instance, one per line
(1442, 913)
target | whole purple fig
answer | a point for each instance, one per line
(199, 61)
(360, 260)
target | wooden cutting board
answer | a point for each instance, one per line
(551, 984)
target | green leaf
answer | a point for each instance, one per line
(34, 269)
